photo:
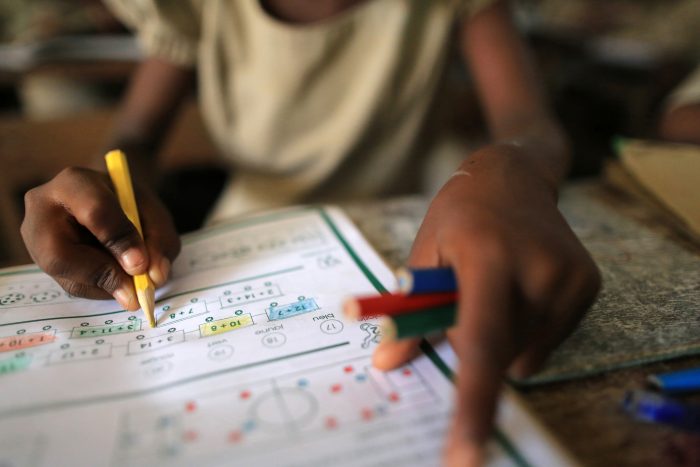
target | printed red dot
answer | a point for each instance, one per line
(348, 369)
(331, 423)
(367, 414)
(190, 436)
(245, 395)
(407, 372)
(394, 397)
(336, 388)
(234, 437)
(190, 407)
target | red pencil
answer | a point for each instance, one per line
(394, 304)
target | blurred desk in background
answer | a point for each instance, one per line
(84, 57)
(103, 72)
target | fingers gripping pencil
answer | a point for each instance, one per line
(119, 173)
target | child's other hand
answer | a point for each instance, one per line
(76, 231)
(524, 279)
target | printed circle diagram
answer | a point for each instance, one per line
(284, 407)
(45, 296)
(11, 298)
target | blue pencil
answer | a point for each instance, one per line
(677, 381)
(655, 408)
(428, 280)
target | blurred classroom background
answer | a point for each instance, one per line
(608, 65)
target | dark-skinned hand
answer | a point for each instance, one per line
(524, 278)
(76, 231)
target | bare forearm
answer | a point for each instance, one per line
(543, 143)
(155, 92)
(511, 94)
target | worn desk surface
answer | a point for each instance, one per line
(585, 416)
(583, 413)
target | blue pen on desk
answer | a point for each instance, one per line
(677, 381)
(655, 408)
(426, 280)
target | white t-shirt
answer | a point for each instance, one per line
(330, 110)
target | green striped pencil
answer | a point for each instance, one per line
(421, 323)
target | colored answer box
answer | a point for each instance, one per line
(12, 365)
(106, 330)
(304, 305)
(221, 326)
(23, 341)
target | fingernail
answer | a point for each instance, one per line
(124, 297)
(133, 259)
(159, 272)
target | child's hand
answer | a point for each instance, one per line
(76, 231)
(524, 279)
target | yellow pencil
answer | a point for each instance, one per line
(119, 173)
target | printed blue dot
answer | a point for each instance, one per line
(360, 377)
(302, 383)
(249, 426)
(164, 422)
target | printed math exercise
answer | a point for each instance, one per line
(251, 362)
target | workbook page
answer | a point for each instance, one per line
(251, 362)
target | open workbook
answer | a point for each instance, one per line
(251, 363)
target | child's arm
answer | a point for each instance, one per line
(75, 229)
(524, 278)
(155, 92)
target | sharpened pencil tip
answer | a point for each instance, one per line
(147, 298)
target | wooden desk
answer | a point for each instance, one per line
(585, 414)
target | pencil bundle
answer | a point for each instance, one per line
(426, 303)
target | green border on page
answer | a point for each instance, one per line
(425, 346)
